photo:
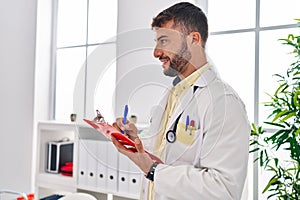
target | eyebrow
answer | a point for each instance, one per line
(160, 37)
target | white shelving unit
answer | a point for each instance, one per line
(54, 131)
(49, 183)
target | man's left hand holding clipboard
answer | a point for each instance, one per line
(128, 143)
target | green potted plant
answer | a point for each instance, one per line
(285, 118)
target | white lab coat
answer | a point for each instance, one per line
(214, 164)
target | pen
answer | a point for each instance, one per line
(187, 122)
(125, 115)
(192, 124)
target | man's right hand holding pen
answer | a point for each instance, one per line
(129, 128)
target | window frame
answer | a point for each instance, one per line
(256, 30)
(54, 50)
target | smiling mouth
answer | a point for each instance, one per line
(164, 61)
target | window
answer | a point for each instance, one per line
(84, 30)
(244, 46)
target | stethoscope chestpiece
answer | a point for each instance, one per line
(171, 136)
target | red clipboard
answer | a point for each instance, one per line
(108, 131)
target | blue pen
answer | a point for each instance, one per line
(125, 115)
(187, 122)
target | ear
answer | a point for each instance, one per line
(196, 38)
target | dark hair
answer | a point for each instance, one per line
(186, 16)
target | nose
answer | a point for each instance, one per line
(157, 52)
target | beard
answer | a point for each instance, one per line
(179, 63)
(171, 72)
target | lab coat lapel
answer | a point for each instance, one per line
(157, 111)
(182, 104)
(164, 100)
(201, 82)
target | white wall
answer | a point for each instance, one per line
(17, 61)
(140, 80)
(22, 102)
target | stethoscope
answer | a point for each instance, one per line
(171, 134)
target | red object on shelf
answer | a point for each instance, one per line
(29, 197)
(67, 169)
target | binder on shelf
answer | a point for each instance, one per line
(123, 180)
(82, 163)
(91, 147)
(101, 177)
(135, 176)
(112, 167)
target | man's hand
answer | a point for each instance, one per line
(140, 158)
(129, 128)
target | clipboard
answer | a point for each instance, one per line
(108, 131)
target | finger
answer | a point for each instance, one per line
(120, 124)
(116, 126)
(132, 149)
(117, 144)
(131, 126)
(139, 146)
(122, 149)
(120, 120)
(131, 130)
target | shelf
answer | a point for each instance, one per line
(56, 181)
(105, 191)
(49, 183)
(54, 131)
(126, 195)
(55, 124)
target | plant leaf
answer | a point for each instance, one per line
(271, 182)
(288, 116)
(280, 114)
(295, 98)
(275, 124)
(254, 150)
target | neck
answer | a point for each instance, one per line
(192, 68)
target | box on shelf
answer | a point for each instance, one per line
(59, 153)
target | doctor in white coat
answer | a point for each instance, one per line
(200, 128)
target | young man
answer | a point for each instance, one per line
(200, 129)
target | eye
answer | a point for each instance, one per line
(163, 42)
